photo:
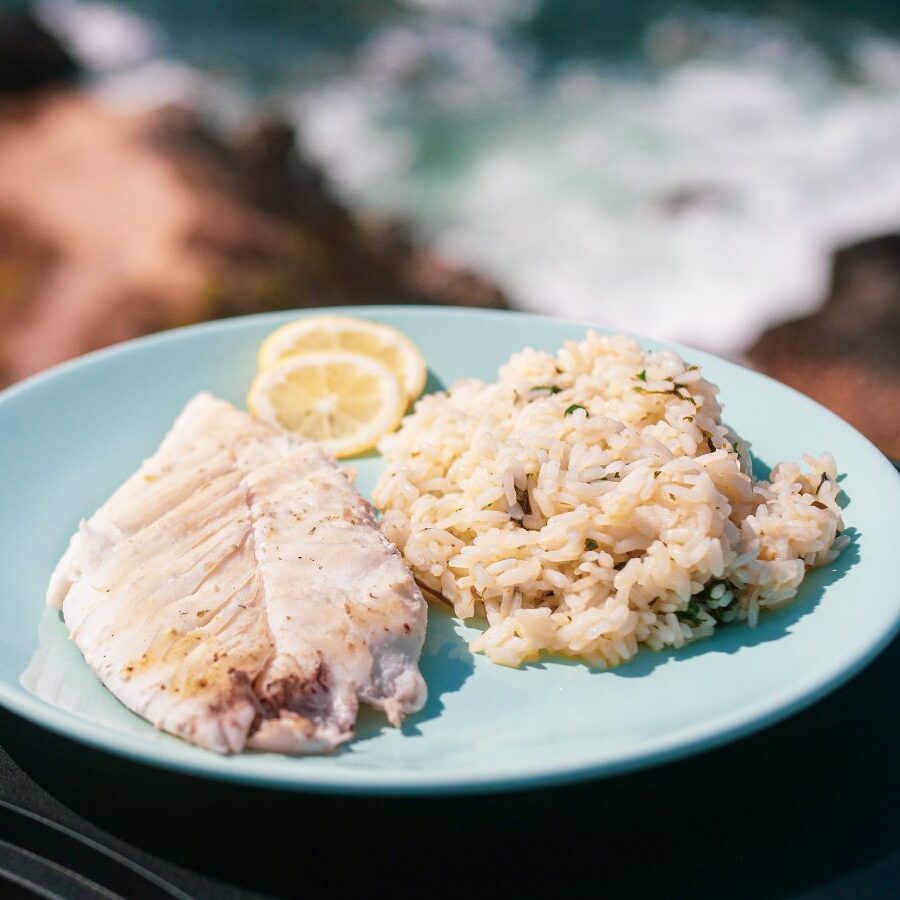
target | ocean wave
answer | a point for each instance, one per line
(691, 190)
(694, 197)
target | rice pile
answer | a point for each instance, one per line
(593, 501)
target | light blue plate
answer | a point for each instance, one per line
(70, 436)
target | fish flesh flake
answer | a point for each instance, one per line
(236, 592)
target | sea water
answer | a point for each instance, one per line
(682, 174)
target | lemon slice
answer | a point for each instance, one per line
(320, 333)
(345, 401)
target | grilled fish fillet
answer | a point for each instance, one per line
(236, 592)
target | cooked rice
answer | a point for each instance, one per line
(592, 501)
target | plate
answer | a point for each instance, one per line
(70, 436)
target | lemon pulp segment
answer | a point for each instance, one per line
(345, 401)
(342, 333)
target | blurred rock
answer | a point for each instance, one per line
(112, 226)
(847, 354)
(30, 57)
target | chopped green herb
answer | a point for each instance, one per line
(553, 388)
(691, 615)
(641, 390)
(693, 369)
(573, 407)
(712, 593)
(642, 375)
(590, 544)
(621, 565)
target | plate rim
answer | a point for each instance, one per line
(672, 745)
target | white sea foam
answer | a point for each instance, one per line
(160, 82)
(125, 55)
(696, 197)
(102, 35)
(151, 84)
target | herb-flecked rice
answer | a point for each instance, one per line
(592, 501)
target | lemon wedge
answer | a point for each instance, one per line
(325, 333)
(345, 401)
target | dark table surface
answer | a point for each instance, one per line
(808, 807)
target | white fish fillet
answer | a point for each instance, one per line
(237, 593)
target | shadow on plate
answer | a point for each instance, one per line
(730, 639)
(763, 471)
(446, 665)
(772, 625)
(58, 675)
(433, 384)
